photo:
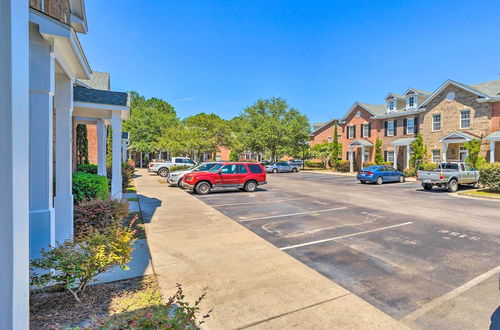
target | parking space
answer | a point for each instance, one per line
(394, 245)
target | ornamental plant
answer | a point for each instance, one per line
(489, 176)
(474, 148)
(97, 215)
(88, 186)
(419, 151)
(87, 168)
(75, 263)
(379, 158)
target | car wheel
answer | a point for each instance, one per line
(275, 171)
(401, 179)
(427, 186)
(250, 186)
(294, 170)
(362, 181)
(453, 186)
(379, 180)
(179, 183)
(202, 188)
(163, 172)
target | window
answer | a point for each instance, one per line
(254, 168)
(411, 101)
(390, 128)
(465, 119)
(350, 132)
(330, 139)
(410, 126)
(436, 122)
(367, 155)
(241, 169)
(389, 156)
(228, 169)
(391, 105)
(463, 153)
(218, 158)
(436, 155)
(366, 130)
(468, 167)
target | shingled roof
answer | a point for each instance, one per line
(489, 88)
(82, 94)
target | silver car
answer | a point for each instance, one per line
(281, 167)
(175, 178)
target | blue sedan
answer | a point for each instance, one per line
(380, 174)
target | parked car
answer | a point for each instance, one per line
(265, 162)
(226, 175)
(175, 178)
(449, 175)
(296, 162)
(163, 168)
(281, 167)
(380, 174)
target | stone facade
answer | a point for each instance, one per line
(58, 9)
(449, 109)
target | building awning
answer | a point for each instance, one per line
(495, 136)
(99, 104)
(403, 141)
(457, 137)
(360, 143)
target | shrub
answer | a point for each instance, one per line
(489, 176)
(88, 186)
(344, 166)
(234, 156)
(87, 168)
(178, 168)
(428, 166)
(131, 162)
(127, 174)
(387, 163)
(313, 164)
(97, 215)
(75, 263)
(409, 172)
(366, 164)
(175, 314)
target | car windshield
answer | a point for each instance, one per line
(216, 168)
(371, 168)
(202, 167)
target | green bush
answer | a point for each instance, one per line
(367, 164)
(313, 164)
(88, 186)
(175, 314)
(97, 215)
(344, 166)
(75, 263)
(179, 168)
(489, 176)
(409, 172)
(127, 174)
(87, 168)
(428, 167)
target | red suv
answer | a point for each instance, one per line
(226, 175)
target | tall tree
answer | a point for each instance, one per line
(82, 144)
(272, 126)
(336, 148)
(474, 158)
(379, 159)
(323, 151)
(419, 151)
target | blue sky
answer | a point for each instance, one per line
(321, 56)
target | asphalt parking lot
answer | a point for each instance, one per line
(397, 246)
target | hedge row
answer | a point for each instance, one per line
(489, 176)
(87, 186)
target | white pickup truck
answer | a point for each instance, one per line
(163, 168)
(449, 175)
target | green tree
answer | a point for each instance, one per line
(234, 156)
(379, 159)
(323, 151)
(474, 148)
(82, 144)
(419, 151)
(336, 148)
(272, 126)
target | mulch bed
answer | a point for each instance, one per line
(49, 310)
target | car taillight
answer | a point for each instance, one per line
(151, 165)
(369, 173)
(441, 176)
(359, 172)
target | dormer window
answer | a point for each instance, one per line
(391, 105)
(411, 101)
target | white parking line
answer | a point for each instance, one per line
(343, 236)
(292, 214)
(270, 201)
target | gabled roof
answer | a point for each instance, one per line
(361, 142)
(495, 136)
(98, 80)
(403, 141)
(395, 95)
(316, 130)
(453, 136)
(487, 87)
(373, 109)
(82, 94)
(416, 91)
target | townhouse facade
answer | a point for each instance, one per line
(447, 118)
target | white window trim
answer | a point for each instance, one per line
(350, 132)
(393, 102)
(438, 155)
(436, 130)
(329, 139)
(462, 111)
(413, 98)
(413, 128)
(388, 130)
(390, 156)
(367, 126)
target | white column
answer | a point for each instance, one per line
(42, 76)
(362, 156)
(64, 161)
(101, 147)
(351, 165)
(408, 156)
(116, 168)
(14, 170)
(492, 151)
(395, 160)
(444, 151)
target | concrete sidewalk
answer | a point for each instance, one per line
(249, 282)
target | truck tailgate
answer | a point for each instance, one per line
(428, 176)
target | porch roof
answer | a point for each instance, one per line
(403, 141)
(495, 136)
(99, 104)
(82, 94)
(457, 137)
(360, 143)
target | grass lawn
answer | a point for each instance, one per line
(54, 310)
(481, 193)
